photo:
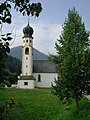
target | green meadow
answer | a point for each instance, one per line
(41, 104)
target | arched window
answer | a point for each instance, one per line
(27, 41)
(27, 51)
(39, 78)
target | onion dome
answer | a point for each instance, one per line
(28, 31)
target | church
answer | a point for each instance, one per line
(35, 73)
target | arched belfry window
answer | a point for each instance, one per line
(27, 51)
(27, 41)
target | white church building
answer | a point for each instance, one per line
(35, 73)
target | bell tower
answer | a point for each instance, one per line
(26, 79)
(27, 46)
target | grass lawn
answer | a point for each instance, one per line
(40, 104)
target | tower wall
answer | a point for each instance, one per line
(27, 62)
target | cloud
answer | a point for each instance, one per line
(44, 35)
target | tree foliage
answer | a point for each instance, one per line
(5, 108)
(23, 6)
(14, 66)
(10, 78)
(72, 60)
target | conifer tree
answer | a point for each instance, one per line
(72, 60)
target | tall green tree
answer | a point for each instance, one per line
(23, 6)
(72, 60)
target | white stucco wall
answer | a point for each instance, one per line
(27, 63)
(46, 79)
(31, 84)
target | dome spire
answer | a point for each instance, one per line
(28, 31)
(28, 21)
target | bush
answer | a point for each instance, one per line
(5, 108)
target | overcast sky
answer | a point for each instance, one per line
(47, 27)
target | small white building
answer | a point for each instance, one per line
(35, 73)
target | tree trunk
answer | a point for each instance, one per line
(77, 103)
